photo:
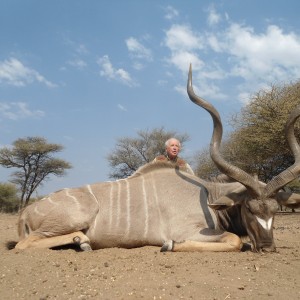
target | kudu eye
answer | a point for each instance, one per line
(248, 208)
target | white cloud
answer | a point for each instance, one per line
(213, 72)
(82, 49)
(234, 51)
(183, 44)
(214, 43)
(181, 90)
(108, 71)
(182, 60)
(208, 89)
(13, 72)
(18, 110)
(270, 56)
(138, 50)
(162, 82)
(244, 97)
(138, 66)
(181, 37)
(124, 76)
(121, 107)
(77, 63)
(213, 17)
(171, 12)
(204, 88)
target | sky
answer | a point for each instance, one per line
(85, 73)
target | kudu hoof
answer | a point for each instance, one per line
(167, 246)
(83, 246)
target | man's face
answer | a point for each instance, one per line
(173, 149)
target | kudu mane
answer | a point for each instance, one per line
(152, 167)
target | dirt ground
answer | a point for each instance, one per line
(146, 273)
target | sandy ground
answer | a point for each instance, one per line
(145, 273)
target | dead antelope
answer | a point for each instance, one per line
(164, 206)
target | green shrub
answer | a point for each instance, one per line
(9, 201)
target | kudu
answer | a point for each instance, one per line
(164, 206)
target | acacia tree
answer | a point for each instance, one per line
(257, 143)
(131, 153)
(33, 157)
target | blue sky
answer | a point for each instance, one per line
(85, 73)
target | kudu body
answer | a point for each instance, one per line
(163, 206)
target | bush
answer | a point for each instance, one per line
(9, 201)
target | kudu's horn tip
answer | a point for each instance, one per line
(189, 83)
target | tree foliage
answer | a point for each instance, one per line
(131, 153)
(259, 138)
(257, 143)
(33, 157)
(205, 167)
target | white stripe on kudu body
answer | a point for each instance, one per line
(118, 211)
(91, 192)
(94, 225)
(161, 225)
(111, 199)
(146, 212)
(51, 201)
(72, 197)
(128, 217)
(36, 210)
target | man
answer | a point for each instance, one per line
(173, 148)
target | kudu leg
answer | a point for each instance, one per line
(227, 243)
(35, 241)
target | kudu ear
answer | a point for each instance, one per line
(229, 200)
(221, 203)
(291, 200)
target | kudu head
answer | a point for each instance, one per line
(258, 201)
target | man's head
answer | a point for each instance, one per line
(173, 147)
